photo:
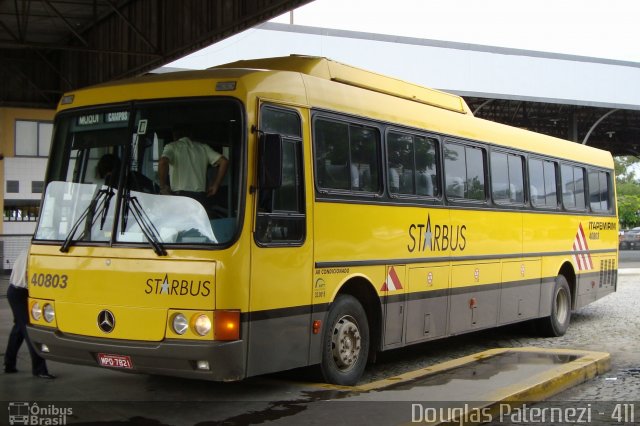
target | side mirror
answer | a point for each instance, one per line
(269, 161)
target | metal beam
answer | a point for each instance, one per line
(31, 83)
(586, 138)
(67, 23)
(24, 15)
(482, 105)
(8, 30)
(43, 46)
(53, 68)
(133, 27)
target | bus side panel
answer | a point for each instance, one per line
(279, 340)
(597, 282)
(608, 278)
(428, 303)
(475, 296)
(586, 290)
(520, 293)
(394, 306)
(476, 284)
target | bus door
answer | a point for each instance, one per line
(281, 255)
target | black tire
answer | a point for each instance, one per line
(557, 324)
(345, 342)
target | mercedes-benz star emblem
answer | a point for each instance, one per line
(106, 321)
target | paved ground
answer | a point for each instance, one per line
(611, 324)
(630, 259)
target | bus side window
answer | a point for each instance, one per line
(347, 156)
(542, 183)
(464, 172)
(599, 193)
(412, 164)
(426, 171)
(400, 163)
(536, 183)
(507, 180)
(365, 158)
(573, 197)
(332, 141)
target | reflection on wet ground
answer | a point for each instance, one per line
(502, 369)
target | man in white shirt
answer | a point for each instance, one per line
(185, 162)
(18, 296)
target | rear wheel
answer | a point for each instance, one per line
(558, 322)
(345, 344)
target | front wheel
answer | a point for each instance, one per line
(345, 342)
(557, 324)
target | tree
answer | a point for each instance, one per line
(628, 208)
(624, 172)
(628, 191)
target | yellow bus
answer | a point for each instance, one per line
(359, 213)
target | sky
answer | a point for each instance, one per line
(596, 28)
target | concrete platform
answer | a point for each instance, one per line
(490, 386)
(499, 386)
(511, 373)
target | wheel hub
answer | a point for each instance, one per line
(562, 306)
(346, 342)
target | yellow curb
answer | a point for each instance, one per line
(557, 379)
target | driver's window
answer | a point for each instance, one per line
(281, 213)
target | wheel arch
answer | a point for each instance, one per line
(364, 291)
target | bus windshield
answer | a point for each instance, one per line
(105, 180)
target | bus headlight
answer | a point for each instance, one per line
(180, 324)
(36, 311)
(48, 312)
(202, 324)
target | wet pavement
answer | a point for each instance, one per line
(479, 382)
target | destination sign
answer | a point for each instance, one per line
(117, 117)
(88, 120)
(108, 117)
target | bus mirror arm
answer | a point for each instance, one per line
(269, 161)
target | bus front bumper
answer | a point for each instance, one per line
(226, 360)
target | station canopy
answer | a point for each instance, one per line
(49, 47)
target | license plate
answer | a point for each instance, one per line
(115, 361)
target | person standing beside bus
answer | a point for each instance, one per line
(18, 296)
(188, 172)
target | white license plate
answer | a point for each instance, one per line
(115, 361)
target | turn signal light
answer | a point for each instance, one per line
(227, 325)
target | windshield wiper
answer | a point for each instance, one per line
(99, 204)
(144, 222)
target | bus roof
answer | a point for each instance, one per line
(335, 71)
(334, 86)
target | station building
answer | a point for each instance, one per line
(25, 138)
